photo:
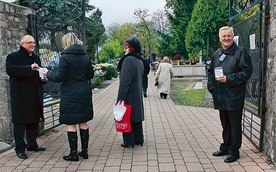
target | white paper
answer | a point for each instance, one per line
(236, 39)
(252, 42)
(40, 70)
(218, 72)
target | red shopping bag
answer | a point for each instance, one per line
(124, 125)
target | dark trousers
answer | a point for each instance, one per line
(145, 90)
(135, 136)
(232, 131)
(31, 131)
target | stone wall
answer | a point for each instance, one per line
(189, 71)
(270, 119)
(13, 25)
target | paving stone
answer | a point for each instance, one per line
(177, 138)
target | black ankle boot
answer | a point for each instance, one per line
(84, 143)
(73, 143)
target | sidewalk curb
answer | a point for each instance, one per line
(4, 147)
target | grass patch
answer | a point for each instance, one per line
(182, 93)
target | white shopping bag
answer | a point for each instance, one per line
(119, 110)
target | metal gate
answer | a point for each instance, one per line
(249, 20)
(47, 34)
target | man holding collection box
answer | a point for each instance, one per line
(229, 71)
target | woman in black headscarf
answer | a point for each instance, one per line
(130, 90)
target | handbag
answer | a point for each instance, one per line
(156, 82)
(124, 125)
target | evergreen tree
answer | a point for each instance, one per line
(94, 33)
(202, 30)
(179, 14)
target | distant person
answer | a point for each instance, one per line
(145, 75)
(164, 74)
(131, 91)
(227, 86)
(26, 92)
(74, 72)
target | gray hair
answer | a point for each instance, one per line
(166, 58)
(226, 28)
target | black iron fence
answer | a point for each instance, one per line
(248, 20)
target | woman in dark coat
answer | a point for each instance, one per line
(131, 91)
(74, 71)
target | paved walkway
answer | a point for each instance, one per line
(177, 138)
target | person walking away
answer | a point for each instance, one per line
(74, 72)
(229, 70)
(164, 75)
(26, 93)
(145, 76)
(131, 91)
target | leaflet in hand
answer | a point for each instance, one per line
(40, 70)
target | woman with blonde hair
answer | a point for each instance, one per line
(74, 72)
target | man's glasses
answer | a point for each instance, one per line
(30, 42)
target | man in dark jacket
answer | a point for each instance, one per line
(228, 86)
(145, 75)
(26, 92)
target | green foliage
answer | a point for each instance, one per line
(121, 32)
(64, 10)
(165, 45)
(110, 73)
(179, 18)
(207, 18)
(98, 81)
(94, 33)
(103, 60)
(112, 50)
(114, 47)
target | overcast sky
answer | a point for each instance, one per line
(121, 11)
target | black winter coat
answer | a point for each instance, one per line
(237, 67)
(74, 71)
(146, 72)
(130, 88)
(26, 88)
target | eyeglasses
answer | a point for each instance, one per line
(30, 42)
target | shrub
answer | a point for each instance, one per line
(98, 81)
(110, 73)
